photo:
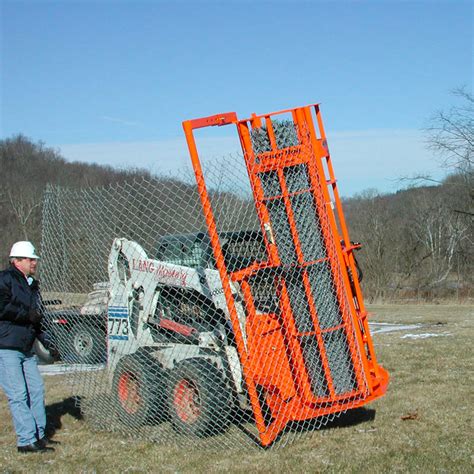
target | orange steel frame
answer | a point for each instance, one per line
(272, 341)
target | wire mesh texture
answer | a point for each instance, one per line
(143, 318)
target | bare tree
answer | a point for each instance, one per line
(23, 206)
(440, 233)
(450, 135)
(371, 224)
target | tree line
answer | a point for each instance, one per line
(415, 244)
(26, 168)
(420, 242)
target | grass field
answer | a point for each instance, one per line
(423, 424)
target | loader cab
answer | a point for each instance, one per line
(182, 312)
(188, 250)
(240, 249)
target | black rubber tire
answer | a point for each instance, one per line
(86, 344)
(44, 357)
(138, 390)
(198, 400)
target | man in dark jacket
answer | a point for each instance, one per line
(20, 324)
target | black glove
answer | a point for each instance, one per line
(33, 316)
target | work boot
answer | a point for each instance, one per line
(47, 442)
(35, 447)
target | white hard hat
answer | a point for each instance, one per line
(23, 249)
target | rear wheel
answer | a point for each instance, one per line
(198, 400)
(138, 390)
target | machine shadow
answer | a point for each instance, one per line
(55, 412)
(350, 418)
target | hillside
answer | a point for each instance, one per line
(26, 169)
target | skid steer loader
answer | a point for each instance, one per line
(170, 341)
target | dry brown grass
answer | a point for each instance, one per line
(423, 424)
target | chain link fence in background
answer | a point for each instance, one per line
(143, 318)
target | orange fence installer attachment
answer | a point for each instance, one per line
(298, 316)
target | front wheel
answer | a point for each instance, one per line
(199, 401)
(137, 389)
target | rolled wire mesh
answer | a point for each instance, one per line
(144, 323)
(318, 297)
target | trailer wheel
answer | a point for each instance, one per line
(137, 383)
(87, 344)
(198, 400)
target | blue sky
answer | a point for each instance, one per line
(111, 81)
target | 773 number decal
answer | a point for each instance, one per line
(118, 328)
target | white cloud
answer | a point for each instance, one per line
(361, 159)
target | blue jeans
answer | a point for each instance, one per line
(23, 386)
